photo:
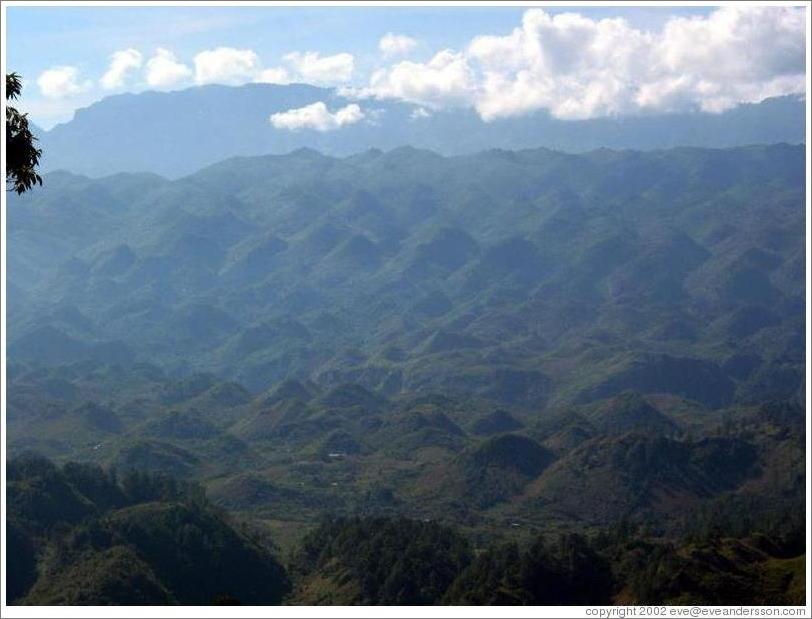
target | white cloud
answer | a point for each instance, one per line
(396, 44)
(446, 79)
(61, 82)
(419, 113)
(577, 67)
(274, 75)
(317, 69)
(567, 63)
(164, 70)
(737, 54)
(317, 116)
(226, 65)
(121, 63)
(47, 113)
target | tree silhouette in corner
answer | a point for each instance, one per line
(22, 157)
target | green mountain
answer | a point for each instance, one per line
(378, 561)
(638, 518)
(141, 540)
(399, 377)
(494, 275)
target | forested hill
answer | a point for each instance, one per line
(78, 535)
(404, 378)
(528, 278)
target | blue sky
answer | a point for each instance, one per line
(83, 38)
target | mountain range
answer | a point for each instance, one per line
(528, 278)
(241, 370)
(176, 133)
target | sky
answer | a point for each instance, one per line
(576, 62)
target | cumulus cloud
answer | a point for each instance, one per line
(577, 67)
(446, 79)
(574, 66)
(164, 69)
(582, 68)
(274, 75)
(317, 69)
(61, 82)
(121, 63)
(737, 54)
(317, 116)
(396, 44)
(226, 65)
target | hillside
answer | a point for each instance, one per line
(406, 307)
(493, 275)
(80, 536)
(501, 351)
(143, 540)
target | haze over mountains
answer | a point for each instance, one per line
(405, 376)
(414, 306)
(177, 133)
(494, 274)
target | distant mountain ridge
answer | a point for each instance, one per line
(176, 133)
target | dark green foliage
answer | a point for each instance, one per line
(690, 378)
(22, 561)
(500, 467)
(40, 495)
(722, 572)
(144, 487)
(391, 562)
(300, 451)
(22, 156)
(100, 487)
(111, 576)
(605, 479)
(629, 412)
(181, 425)
(493, 578)
(206, 557)
(511, 451)
(155, 456)
(777, 518)
(99, 418)
(82, 537)
(352, 395)
(566, 571)
(496, 422)
(153, 540)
